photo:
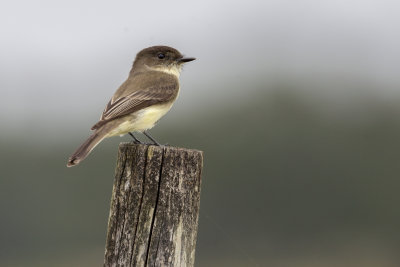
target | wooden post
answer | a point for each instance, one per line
(154, 207)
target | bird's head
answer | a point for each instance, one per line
(162, 58)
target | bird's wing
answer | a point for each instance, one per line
(138, 100)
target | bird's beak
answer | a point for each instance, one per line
(186, 59)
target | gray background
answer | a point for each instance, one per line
(295, 104)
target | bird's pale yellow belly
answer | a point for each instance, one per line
(142, 120)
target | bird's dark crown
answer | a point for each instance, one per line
(158, 55)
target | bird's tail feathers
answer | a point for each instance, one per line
(83, 151)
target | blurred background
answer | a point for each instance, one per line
(295, 104)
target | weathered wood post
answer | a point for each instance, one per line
(154, 207)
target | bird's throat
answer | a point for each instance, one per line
(173, 69)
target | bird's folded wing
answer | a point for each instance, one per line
(136, 101)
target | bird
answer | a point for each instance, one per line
(147, 95)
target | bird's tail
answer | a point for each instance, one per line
(84, 150)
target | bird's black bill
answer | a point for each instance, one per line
(186, 59)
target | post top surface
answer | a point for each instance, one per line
(170, 148)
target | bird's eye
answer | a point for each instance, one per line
(161, 56)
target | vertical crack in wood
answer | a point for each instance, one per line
(155, 207)
(117, 193)
(122, 233)
(119, 208)
(140, 205)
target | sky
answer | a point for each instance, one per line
(64, 59)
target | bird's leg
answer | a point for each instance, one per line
(151, 138)
(135, 140)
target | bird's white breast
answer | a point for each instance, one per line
(142, 120)
(147, 117)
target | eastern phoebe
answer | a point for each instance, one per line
(147, 95)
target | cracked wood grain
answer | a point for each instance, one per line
(154, 206)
